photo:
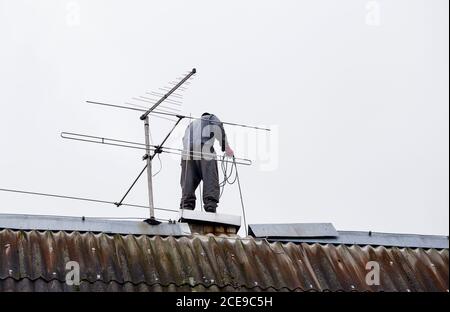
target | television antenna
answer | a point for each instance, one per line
(170, 111)
(170, 97)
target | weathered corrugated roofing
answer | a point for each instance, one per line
(35, 261)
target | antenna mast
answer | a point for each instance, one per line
(152, 220)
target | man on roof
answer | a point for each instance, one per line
(199, 161)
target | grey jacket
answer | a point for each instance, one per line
(201, 134)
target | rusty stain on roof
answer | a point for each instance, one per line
(36, 260)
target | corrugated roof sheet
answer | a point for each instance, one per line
(35, 261)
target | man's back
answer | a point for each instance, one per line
(200, 135)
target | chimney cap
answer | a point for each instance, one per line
(210, 220)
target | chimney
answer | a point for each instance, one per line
(203, 223)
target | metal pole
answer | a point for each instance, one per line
(148, 157)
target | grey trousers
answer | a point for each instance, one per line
(194, 171)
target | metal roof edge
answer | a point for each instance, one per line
(376, 239)
(86, 224)
(293, 230)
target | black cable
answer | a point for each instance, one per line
(79, 198)
(227, 175)
(224, 168)
(160, 166)
(233, 165)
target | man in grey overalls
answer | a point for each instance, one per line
(199, 161)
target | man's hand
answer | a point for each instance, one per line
(229, 152)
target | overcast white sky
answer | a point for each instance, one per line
(356, 92)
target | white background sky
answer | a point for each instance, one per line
(359, 98)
